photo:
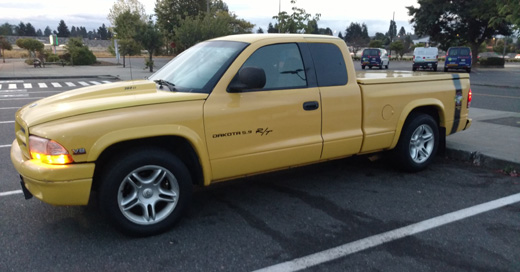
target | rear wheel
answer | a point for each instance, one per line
(370, 66)
(418, 143)
(145, 191)
(363, 67)
(445, 69)
(468, 70)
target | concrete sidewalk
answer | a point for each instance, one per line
(492, 141)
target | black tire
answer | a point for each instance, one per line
(363, 67)
(381, 66)
(370, 66)
(154, 183)
(468, 70)
(386, 66)
(418, 143)
(414, 69)
(445, 69)
(435, 68)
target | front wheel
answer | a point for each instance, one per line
(145, 191)
(418, 143)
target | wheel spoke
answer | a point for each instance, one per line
(167, 196)
(157, 177)
(149, 213)
(130, 201)
(423, 153)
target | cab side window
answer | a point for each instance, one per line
(282, 64)
(331, 69)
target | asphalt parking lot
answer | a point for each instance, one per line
(346, 215)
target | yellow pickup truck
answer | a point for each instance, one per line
(227, 108)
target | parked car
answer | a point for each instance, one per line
(517, 56)
(375, 57)
(458, 58)
(425, 58)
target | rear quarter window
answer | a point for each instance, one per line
(330, 65)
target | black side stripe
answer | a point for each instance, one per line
(457, 101)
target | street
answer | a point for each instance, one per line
(265, 220)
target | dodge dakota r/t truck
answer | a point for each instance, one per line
(227, 108)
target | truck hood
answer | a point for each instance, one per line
(100, 98)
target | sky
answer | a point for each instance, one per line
(335, 14)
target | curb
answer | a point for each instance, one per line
(478, 159)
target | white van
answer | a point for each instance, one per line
(425, 58)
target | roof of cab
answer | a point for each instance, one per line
(251, 38)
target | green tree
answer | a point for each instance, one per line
(398, 47)
(30, 30)
(272, 29)
(402, 32)
(127, 25)
(196, 29)
(4, 45)
(458, 22)
(170, 13)
(356, 36)
(392, 32)
(375, 44)
(510, 10)
(30, 45)
(21, 29)
(6, 29)
(63, 30)
(39, 33)
(47, 32)
(103, 32)
(150, 39)
(120, 6)
(297, 22)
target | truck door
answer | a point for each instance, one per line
(273, 127)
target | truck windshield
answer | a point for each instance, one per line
(199, 68)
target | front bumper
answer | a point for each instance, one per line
(54, 184)
(426, 64)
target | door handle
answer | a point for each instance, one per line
(311, 105)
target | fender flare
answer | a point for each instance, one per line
(420, 103)
(135, 133)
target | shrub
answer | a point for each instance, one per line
(492, 62)
(83, 56)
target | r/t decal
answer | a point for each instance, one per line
(264, 131)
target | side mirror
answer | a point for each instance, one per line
(248, 78)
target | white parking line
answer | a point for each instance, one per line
(56, 84)
(27, 85)
(42, 85)
(6, 122)
(83, 83)
(70, 84)
(95, 82)
(7, 145)
(12, 86)
(386, 237)
(11, 193)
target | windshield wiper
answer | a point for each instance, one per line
(168, 84)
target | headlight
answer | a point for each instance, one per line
(48, 151)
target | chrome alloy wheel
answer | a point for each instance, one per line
(148, 195)
(422, 143)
